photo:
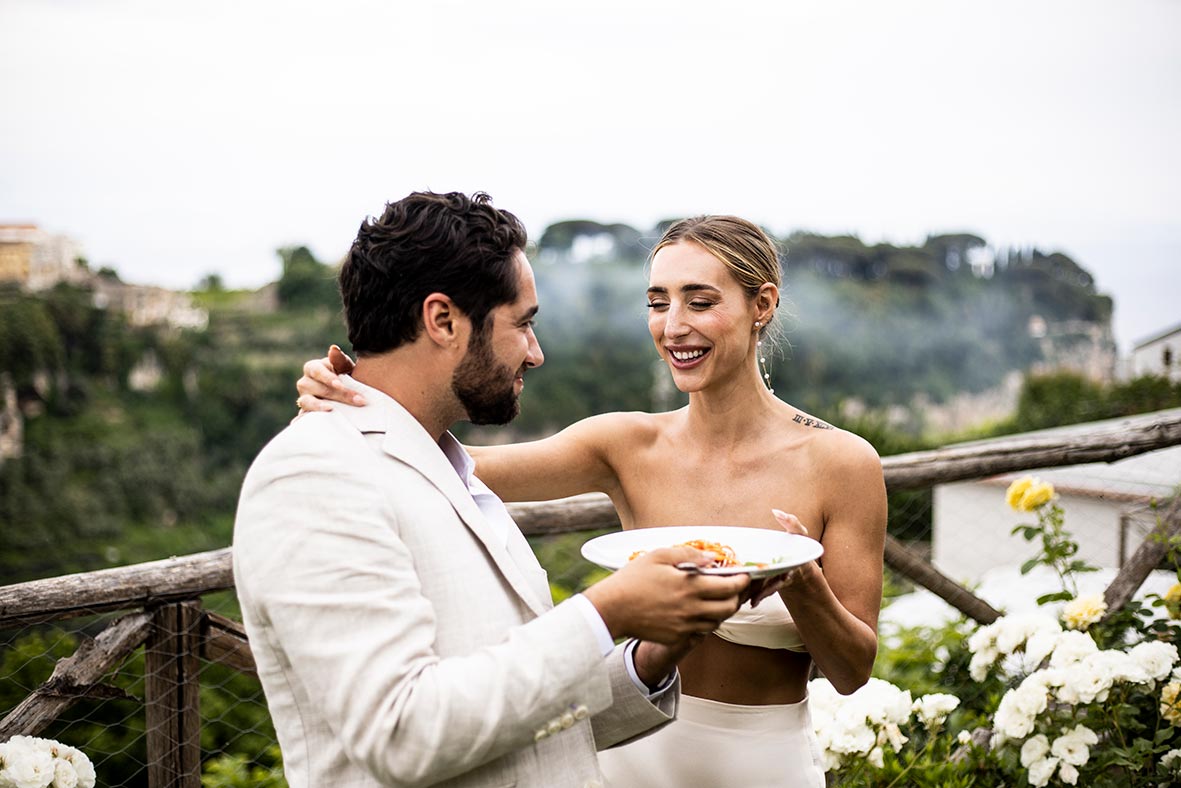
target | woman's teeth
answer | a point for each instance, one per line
(688, 355)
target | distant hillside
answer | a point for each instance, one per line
(123, 441)
(883, 324)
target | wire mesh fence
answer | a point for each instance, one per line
(109, 722)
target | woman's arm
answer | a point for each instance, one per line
(573, 461)
(836, 608)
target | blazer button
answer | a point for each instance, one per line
(554, 726)
(581, 712)
(540, 734)
(567, 720)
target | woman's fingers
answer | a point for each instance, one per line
(339, 360)
(789, 522)
(310, 404)
(320, 385)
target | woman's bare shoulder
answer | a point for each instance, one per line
(836, 448)
(624, 428)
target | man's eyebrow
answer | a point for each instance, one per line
(530, 313)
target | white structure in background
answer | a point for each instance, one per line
(36, 259)
(1109, 509)
(1159, 355)
(147, 306)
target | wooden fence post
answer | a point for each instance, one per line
(171, 697)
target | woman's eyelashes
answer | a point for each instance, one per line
(662, 305)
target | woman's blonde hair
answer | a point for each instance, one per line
(748, 253)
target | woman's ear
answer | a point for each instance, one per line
(766, 301)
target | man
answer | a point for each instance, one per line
(403, 630)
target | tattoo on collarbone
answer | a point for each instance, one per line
(814, 423)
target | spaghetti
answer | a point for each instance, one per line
(723, 553)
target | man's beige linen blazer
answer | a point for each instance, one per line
(398, 640)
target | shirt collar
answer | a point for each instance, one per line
(460, 460)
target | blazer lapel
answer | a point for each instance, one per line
(407, 441)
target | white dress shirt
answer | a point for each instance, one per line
(502, 524)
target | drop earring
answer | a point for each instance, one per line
(763, 360)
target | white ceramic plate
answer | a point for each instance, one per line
(779, 551)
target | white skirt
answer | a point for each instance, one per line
(721, 745)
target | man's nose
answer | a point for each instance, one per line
(534, 357)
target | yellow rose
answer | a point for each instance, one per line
(1170, 708)
(1083, 611)
(1173, 600)
(1038, 494)
(1017, 489)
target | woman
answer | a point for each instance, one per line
(729, 457)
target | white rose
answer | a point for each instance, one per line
(882, 702)
(981, 662)
(1155, 658)
(64, 775)
(983, 638)
(1030, 697)
(1041, 771)
(893, 735)
(28, 767)
(83, 767)
(1085, 681)
(1073, 747)
(1010, 634)
(1068, 774)
(1072, 647)
(1041, 644)
(1010, 720)
(1123, 667)
(854, 741)
(876, 757)
(1034, 749)
(932, 710)
(963, 737)
(1171, 760)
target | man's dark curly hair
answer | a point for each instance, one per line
(427, 243)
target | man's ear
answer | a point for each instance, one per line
(445, 323)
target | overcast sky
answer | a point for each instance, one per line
(173, 140)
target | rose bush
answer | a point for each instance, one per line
(1087, 696)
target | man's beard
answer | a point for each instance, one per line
(485, 388)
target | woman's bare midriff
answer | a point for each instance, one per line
(731, 673)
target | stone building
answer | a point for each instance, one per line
(36, 259)
(1159, 355)
(1109, 509)
(148, 306)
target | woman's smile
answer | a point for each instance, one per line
(684, 357)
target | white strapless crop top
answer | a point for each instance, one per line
(767, 626)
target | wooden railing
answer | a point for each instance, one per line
(167, 617)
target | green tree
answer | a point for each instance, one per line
(304, 281)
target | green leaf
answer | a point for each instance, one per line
(1030, 564)
(1057, 596)
(1027, 531)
